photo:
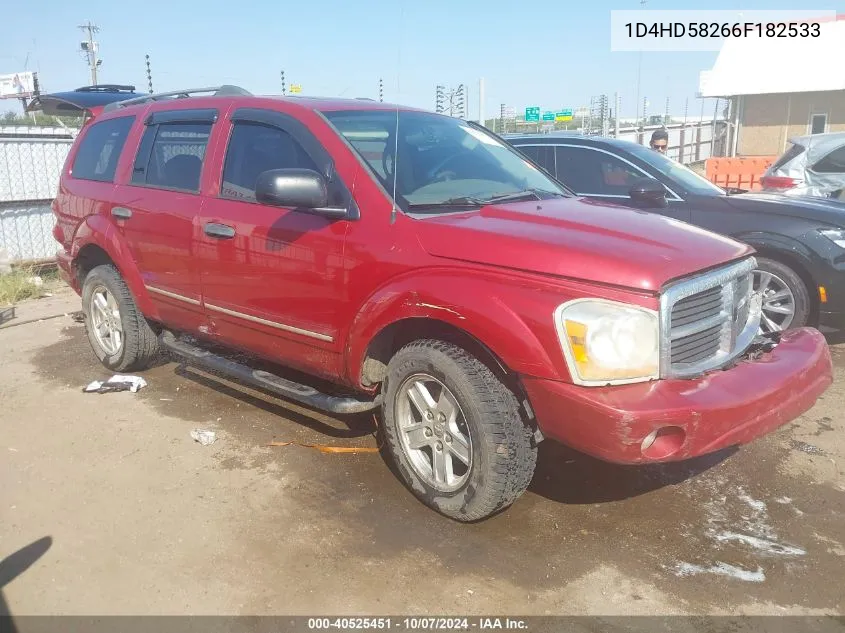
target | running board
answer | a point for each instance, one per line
(195, 355)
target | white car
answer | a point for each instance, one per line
(813, 166)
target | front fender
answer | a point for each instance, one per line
(788, 246)
(494, 312)
(99, 231)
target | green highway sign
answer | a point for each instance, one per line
(532, 113)
(548, 116)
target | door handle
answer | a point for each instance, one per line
(219, 231)
(122, 213)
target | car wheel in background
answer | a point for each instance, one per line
(786, 300)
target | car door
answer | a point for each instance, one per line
(272, 277)
(158, 207)
(600, 174)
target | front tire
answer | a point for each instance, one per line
(120, 335)
(455, 432)
(786, 300)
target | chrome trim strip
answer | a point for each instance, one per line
(278, 326)
(172, 295)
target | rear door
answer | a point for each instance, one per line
(158, 206)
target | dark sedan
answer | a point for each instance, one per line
(800, 242)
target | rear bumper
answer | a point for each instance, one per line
(65, 265)
(718, 410)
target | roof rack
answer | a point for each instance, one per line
(217, 91)
(106, 88)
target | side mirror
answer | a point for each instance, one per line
(648, 193)
(303, 189)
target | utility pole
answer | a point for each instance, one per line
(381, 90)
(502, 112)
(481, 120)
(89, 47)
(616, 118)
(149, 75)
(640, 70)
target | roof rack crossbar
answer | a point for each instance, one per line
(216, 91)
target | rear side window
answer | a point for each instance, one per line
(171, 156)
(788, 155)
(99, 150)
(253, 149)
(833, 163)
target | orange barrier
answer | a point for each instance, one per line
(743, 172)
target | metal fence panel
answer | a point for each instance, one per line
(30, 168)
(26, 231)
(31, 161)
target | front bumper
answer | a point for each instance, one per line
(720, 409)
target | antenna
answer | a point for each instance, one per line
(398, 93)
(149, 75)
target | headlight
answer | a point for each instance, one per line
(837, 236)
(608, 342)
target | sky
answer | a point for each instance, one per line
(551, 54)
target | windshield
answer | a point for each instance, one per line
(686, 177)
(444, 164)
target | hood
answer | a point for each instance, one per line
(579, 239)
(821, 210)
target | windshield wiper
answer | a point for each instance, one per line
(471, 202)
(538, 194)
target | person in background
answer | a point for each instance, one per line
(659, 140)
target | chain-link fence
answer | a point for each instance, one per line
(31, 161)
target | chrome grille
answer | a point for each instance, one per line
(707, 320)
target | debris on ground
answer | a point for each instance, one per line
(204, 436)
(806, 448)
(116, 383)
(36, 281)
(329, 449)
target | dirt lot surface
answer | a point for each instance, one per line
(141, 519)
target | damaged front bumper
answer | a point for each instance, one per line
(774, 382)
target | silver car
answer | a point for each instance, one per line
(813, 166)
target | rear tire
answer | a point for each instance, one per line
(479, 456)
(784, 290)
(120, 335)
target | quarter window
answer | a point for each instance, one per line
(833, 163)
(255, 148)
(594, 173)
(100, 149)
(171, 156)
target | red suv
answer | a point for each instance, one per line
(426, 269)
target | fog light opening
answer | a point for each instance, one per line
(663, 442)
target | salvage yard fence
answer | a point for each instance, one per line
(31, 160)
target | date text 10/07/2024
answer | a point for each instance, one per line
(725, 29)
(418, 624)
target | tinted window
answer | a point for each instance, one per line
(788, 155)
(543, 155)
(833, 163)
(592, 172)
(171, 156)
(253, 149)
(100, 149)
